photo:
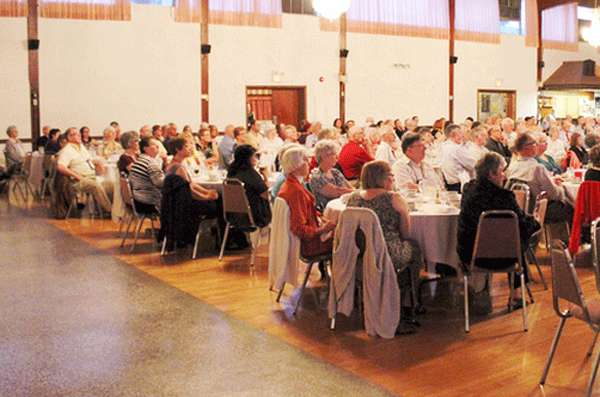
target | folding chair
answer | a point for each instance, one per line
(237, 214)
(50, 174)
(88, 199)
(539, 214)
(522, 195)
(497, 240)
(20, 176)
(136, 215)
(566, 286)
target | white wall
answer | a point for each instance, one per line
(147, 70)
(243, 56)
(14, 86)
(138, 72)
(376, 88)
(508, 66)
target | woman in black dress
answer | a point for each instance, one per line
(257, 191)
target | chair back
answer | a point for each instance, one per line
(595, 234)
(26, 170)
(51, 165)
(565, 283)
(497, 240)
(128, 196)
(235, 202)
(522, 193)
(541, 205)
(126, 192)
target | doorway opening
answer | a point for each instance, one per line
(276, 104)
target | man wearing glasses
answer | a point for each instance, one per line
(409, 172)
(525, 168)
(74, 161)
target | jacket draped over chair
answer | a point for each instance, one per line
(381, 294)
(587, 208)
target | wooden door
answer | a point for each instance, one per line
(278, 104)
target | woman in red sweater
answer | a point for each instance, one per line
(304, 218)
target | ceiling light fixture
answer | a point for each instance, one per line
(331, 9)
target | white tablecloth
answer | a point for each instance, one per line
(217, 184)
(434, 232)
(36, 173)
(118, 208)
(571, 189)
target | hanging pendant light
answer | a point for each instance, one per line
(331, 9)
(592, 33)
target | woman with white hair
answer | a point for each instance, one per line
(388, 147)
(109, 145)
(327, 182)
(354, 154)
(304, 219)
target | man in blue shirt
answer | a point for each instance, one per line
(227, 147)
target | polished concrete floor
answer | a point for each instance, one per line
(74, 321)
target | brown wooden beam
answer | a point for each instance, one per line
(204, 61)
(451, 62)
(540, 47)
(34, 71)
(343, 59)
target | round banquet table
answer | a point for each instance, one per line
(216, 183)
(434, 229)
(571, 189)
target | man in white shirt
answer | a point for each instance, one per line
(411, 171)
(525, 168)
(508, 129)
(476, 145)
(388, 147)
(13, 150)
(74, 161)
(458, 165)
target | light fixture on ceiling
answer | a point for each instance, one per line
(331, 9)
(591, 34)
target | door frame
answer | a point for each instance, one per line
(498, 91)
(303, 104)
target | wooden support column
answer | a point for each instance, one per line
(540, 46)
(343, 57)
(451, 58)
(34, 71)
(204, 52)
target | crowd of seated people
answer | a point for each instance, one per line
(317, 165)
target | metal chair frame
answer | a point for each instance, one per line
(238, 205)
(139, 218)
(558, 250)
(517, 267)
(20, 178)
(539, 213)
(48, 182)
(522, 194)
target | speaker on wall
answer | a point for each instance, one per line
(453, 59)
(205, 49)
(33, 44)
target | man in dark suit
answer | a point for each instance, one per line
(495, 143)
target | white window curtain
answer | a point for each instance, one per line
(478, 20)
(421, 18)
(559, 26)
(266, 13)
